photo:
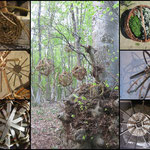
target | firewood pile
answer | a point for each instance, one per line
(90, 117)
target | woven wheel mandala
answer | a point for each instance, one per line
(135, 124)
(14, 124)
(14, 75)
(10, 28)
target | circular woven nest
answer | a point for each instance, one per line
(127, 27)
(79, 72)
(14, 124)
(10, 28)
(65, 79)
(45, 66)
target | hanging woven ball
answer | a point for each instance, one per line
(15, 124)
(79, 72)
(10, 28)
(65, 79)
(45, 66)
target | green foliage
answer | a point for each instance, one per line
(116, 5)
(116, 88)
(84, 137)
(135, 26)
(73, 116)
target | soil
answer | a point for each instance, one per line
(126, 43)
(46, 130)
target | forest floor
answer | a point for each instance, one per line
(46, 129)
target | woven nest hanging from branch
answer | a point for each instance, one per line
(14, 124)
(10, 28)
(45, 66)
(79, 72)
(65, 79)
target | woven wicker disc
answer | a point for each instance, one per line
(10, 28)
(14, 123)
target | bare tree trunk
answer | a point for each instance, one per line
(105, 41)
(38, 96)
(75, 27)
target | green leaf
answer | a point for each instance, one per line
(72, 115)
(84, 98)
(76, 100)
(116, 58)
(75, 96)
(94, 84)
(112, 19)
(116, 88)
(101, 16)
(107, 9)
(110, 13)
(102, 2)
(80, 103)
(84, 137)
(106, 84)
(104, 12)
(112, 59)
(116, 5)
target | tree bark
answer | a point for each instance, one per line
(106, 41)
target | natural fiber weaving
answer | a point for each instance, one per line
(65, 79)
(10, 28)
(79, 72)
(14, 124)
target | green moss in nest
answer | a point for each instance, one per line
(135, 26)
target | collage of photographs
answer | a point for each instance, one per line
(74, 74)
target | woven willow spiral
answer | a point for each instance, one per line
(10, 28)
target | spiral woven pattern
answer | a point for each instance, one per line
(10, 28)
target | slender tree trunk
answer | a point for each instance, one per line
(38, 96)
(105, 41)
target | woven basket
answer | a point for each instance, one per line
(127, 28)
(65, 79)
(10, 28)
(15, 124)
